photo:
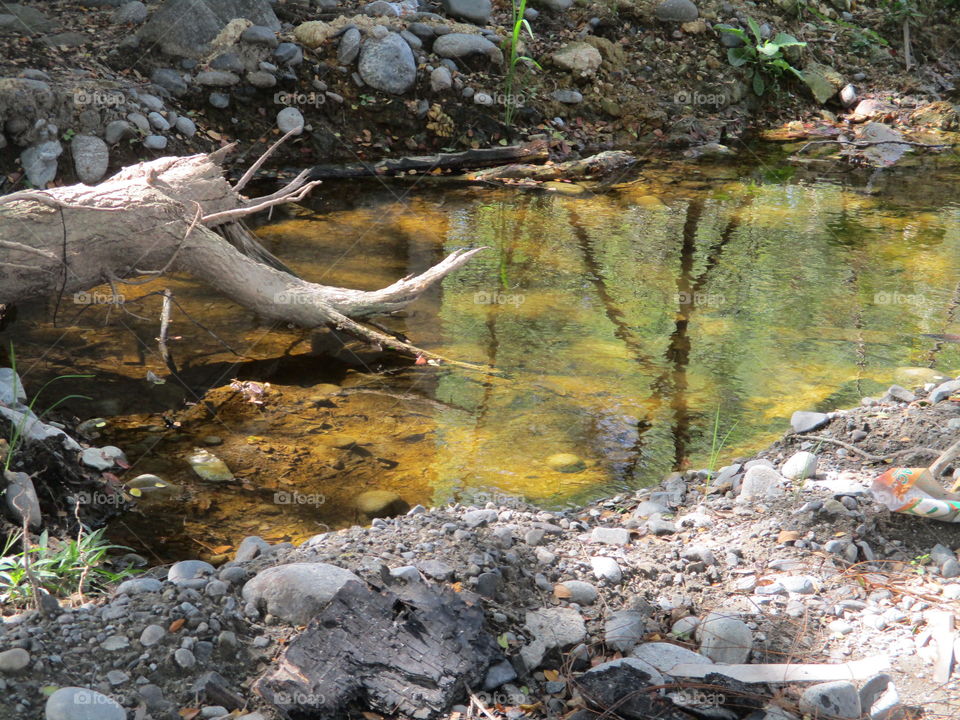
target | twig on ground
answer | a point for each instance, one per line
(869, 456)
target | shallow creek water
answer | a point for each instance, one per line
(622, 325)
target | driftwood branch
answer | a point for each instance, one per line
(168, 206)
(596, 166)
(537, 151)
(870, 143)
(947, 457)
(252, 170)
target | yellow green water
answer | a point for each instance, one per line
(622, 322)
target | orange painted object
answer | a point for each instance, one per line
(914, 491)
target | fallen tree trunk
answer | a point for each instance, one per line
(533, 152)
(590, 168)
(179, 214)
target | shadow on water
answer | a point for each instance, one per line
(623, 322)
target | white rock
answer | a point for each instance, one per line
(725, 639)
(801, 465)
(663, 656)
(760, 483)
(13, 661)
(290, 119)
(76, 703)
(606, 568)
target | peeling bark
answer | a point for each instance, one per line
(180, 214)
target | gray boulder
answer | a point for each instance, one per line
(725, 639)
(460, 45)
(387, 63)
(474, 11)
(28, 20)
(838, 699)
(169, 79)
(290, 119)
(678, 11)
(296, 592)
(624, 629)
(76, 703)
(260, 34)
(90, 157)
(551, 628)
(40, 162)
(190, 573)
(185, 28)
(349, 46)
(21, 499)
(131, 13)
(803, 421)
(664, 656)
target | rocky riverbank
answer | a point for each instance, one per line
(88, 87)
(757, 566)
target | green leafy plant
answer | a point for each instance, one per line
(716, 447)
(16, 433)
(763, 60)
(61, 568)
(518, 24)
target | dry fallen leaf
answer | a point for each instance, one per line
(561, 591)
(786, 536)
(176, 625)
(551, 675)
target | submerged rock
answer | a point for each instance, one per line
(208, 466)
(381, 504)
(566, 463)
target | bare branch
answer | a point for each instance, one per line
(285, 190)
(252, 170)
(227, 215)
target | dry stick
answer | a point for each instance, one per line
(864, 453)
(948, 455)
(286, 189)
(353, 327)
(34, 585)
(480, 706)
(252, 170)
(226, 215)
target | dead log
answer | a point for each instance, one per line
(179, 214)
(533, 152)
(597, 166)
(411, 651)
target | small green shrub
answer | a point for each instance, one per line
(519, 23)
(763, 60)
(61, 568)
